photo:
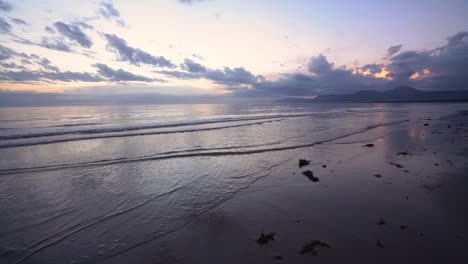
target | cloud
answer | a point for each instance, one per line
(5, 27)
(107, 10)
(7, 53)
(319, 64)
(443, 67)
(192, 66)
(49, 30)
(198, 57)
(5, 6)
(459, 38)
(55, 44)
(191, 1)
(132, 55)
(19, 21)
(73, 33)
(393, 50)
(119, 75)
(226, 76)
(233, 76)
(32, 76)
(83, 25)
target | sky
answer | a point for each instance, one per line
(236, 48)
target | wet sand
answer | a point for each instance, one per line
(415, 212)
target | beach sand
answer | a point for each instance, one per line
(423, 204)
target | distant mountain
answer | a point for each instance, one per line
(397, 95)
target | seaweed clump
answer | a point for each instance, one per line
(264, 238)
(312, 246)
(309, 174)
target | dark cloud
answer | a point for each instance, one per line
(323, 78)
(319, 65)
(5, 6)
(5, 27)
(459, 38)
(442, 68)
(11, 65)
(46, 64)
(55, 44)
(372, 68)
(119, 75)
(192, 66)
(393, 50)
(19, 21)
(7, 53)
(49, 29)
(107, 10)
(32, 76)
(132, 55)
(73, 33)
(232, 77)
(83, 25)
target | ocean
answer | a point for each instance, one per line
(88, 183)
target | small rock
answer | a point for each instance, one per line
(377, 175)
(369, 145)
(426, 124)
(303, 162)
(279, 257)
(403, 153)
(403, 227)
(324, 166)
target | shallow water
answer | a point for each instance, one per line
(83, 184)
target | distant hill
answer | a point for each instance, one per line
(402, 94)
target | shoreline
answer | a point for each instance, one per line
(343, 208)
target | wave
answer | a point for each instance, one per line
(61, 140)
(210, 152)
(152, 126)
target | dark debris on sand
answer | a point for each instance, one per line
(379, 244)
(369, 145)
(279, 257)
(377, 175)
(403, 227)
(381, 222)
(303, 162)
(396, 165)
(403, 153)
(312, 246)
(309, 174)
(264, 238)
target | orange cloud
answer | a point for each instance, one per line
(421, 74)
(383, 74)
